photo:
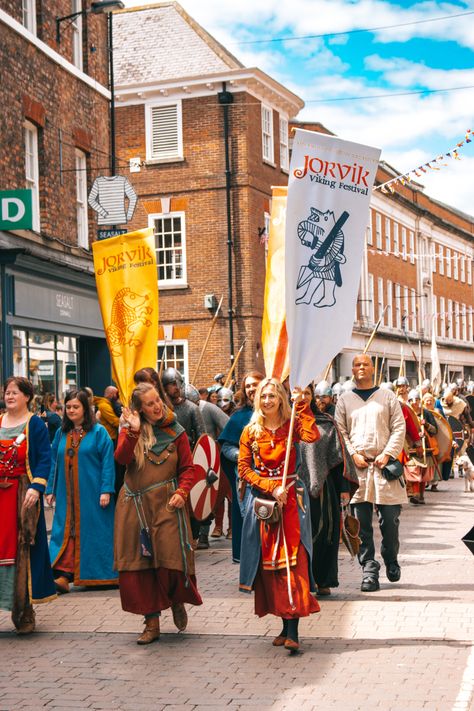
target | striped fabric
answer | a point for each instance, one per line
(107, 198)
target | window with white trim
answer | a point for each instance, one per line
(404, 242)
(406, 310)
(457, 321)
(81, 199)
(29, 15)
(449, 320)
(433, 257)
(470, 333)
(442, 316)
(462, 262)
(448, 262)
(469, 270)
(380, 304)
(267, 134)
(389, 315)
(411, 236)
(76, 28)
(396, 245)
(398, 306)
(414, 320)
(32, 169)
(175, 354)
(387, 234)
(164, 132)
(456, 266)
(441, 259)
(378, 230)
(464, 322)
(369, 231)
(371, 302)
(170, 245)
(284, 151)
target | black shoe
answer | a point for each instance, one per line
(415, 500)
(370, 585)
(203, 542)
(394, 572)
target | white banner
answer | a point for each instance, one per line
(327, 213)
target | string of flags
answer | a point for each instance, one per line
(434, 164)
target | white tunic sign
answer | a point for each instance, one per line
(327, 213)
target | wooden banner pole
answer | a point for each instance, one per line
(211, 328)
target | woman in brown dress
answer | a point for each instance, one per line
(153, 552)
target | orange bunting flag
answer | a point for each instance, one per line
(274, 335)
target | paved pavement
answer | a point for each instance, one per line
(407, 647)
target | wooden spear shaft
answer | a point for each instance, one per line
(211, 328)
(234, 365)
(288, 446)
(326, 372)
(374, 332)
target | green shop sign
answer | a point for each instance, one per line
(16, 210)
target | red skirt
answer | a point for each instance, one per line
(146, 591)
(271, 590)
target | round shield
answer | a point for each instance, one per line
(413, 425)
(203, 496)
(444, 437)
(459, 435)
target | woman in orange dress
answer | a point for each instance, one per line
(276, 556)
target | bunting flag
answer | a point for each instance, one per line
(329, 191)
(402, 179)
(274, 336)
(127, 289)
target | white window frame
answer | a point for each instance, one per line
(29, 15)
(448, 262)
(442, 316)
(182, 281)
(404, 243)
(371, 309)
(396, 243)
(470, 325)
(387, 235)
(177, 155)
(170, 363)
(32, 170)
(457, 320)
(464, 322)
(389, 304)
(81, 199)
(284, 147)
(398, 306)
(411, 242)
(462, 260)
(449, 320)
(380, 299)
(433, 257)
(378, 230)
(469, 270)
(268, 149)
(456, 266)
(369, 230)
(441, 259)
(76, 28)
(406, 308)
(414, 320)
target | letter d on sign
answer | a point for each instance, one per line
(16, 210)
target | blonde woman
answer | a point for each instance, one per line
(153, 553)
(276, 555)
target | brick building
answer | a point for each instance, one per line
(182, 102)
(54, 141)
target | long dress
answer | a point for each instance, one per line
(83, 532)
(276, 558)
(153, 552)
(25, 569)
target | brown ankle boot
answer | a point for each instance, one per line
(151, 631)
(27, 623)
(62, 584)
(180, 616)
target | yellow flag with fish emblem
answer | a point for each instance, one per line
(127, 288)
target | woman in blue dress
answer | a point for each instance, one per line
(82, 483)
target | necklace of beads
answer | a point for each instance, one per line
(272, 472)
(75, 442)
(157, 463)
(8, 456)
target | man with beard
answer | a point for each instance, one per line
(373, 426)
(323, 397)
(229, 441)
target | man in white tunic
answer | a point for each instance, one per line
(372, 423)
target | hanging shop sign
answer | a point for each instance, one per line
(16, 210)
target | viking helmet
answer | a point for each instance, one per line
(414, 394)
(401, 381)
(171, 375)
(348, 386)
(336, 389)
(226, 396)
(387, 386)
(323, 388)
(191, 393)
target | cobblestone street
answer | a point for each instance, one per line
(408, 646)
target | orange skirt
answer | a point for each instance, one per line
(271, 590)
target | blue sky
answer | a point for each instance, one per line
(410, 129)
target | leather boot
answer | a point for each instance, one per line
(27, 623)
(62, 584)
(180, 616)
(151, 631)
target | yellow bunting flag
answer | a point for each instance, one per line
(127, 287)
(274, 336)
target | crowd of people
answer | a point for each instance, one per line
(297, 467)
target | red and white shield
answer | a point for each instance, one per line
(204, 495)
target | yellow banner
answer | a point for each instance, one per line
(127, 287)
(274, 336)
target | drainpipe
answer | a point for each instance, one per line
(225, 99)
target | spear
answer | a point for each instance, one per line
(234, 365)
(376, 328)
(328, 369)
(211, 328)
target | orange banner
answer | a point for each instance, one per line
(127, 288)
(274, 336)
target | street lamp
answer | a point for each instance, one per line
(101, 7)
